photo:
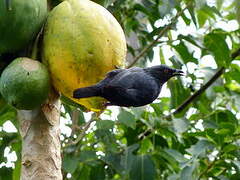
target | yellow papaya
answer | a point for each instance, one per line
(82, 41)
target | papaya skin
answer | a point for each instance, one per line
(21, 20)
(82, 42)
(25, 83)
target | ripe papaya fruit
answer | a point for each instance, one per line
(82, 41)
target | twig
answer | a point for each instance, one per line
(145, 133)
(204, 87)
(207, 168)
(83, 133)
(210, 165)
(161, 33)
(74, 116)
(200, 91)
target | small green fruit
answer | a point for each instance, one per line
(25, 83)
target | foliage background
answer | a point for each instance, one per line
(155, 142)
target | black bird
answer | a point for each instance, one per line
(130, 87)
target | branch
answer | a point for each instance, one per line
(205, 86)
(208, 168)
(83, 133)
(161, 33)
(200, 91)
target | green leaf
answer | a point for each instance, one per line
(223, 116)
(219, 4)
(157, 108)
(81, 118)
(83, 173)
(202, 18)
(180, 124)
(208, 74)
(206, 13)
(230, 147)
(105, 124)
(17, 170)
(200, 148)
(178, 94)
(6, 173)
(216, 44)
(215, 138)
(186, 19)
(188, 172)
(87, 156)
(114, 160)
(176, 155)
(161, 55)
(127, 119)
(143, 168)
(169, 159)
(145, 146)
(184, 53)
(129, 158)
(191, 39)
(234, 73)
(191, 10)
(177, 63)
(159, 141)
(70, 163)
(97, 172)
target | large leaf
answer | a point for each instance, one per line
(200, 148)
(97, 172)
(184, 53)
(127, 119)
(143, 168)
(216, 44)
(178, 93)
(70, 163)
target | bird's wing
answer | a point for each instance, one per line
(109, 77)
(128, 96)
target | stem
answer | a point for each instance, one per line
(41, 157)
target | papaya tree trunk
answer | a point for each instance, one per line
(41, 156)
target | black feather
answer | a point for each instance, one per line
(130, 87)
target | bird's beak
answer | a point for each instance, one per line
(178, 73)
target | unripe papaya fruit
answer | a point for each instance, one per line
(20, 21)
(25, 83)
(82, 42)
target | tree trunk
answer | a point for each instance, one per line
(41, 155)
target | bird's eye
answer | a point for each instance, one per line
(165, 70)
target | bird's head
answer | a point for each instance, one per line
(163, 72)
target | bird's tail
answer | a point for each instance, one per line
(86, 92)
